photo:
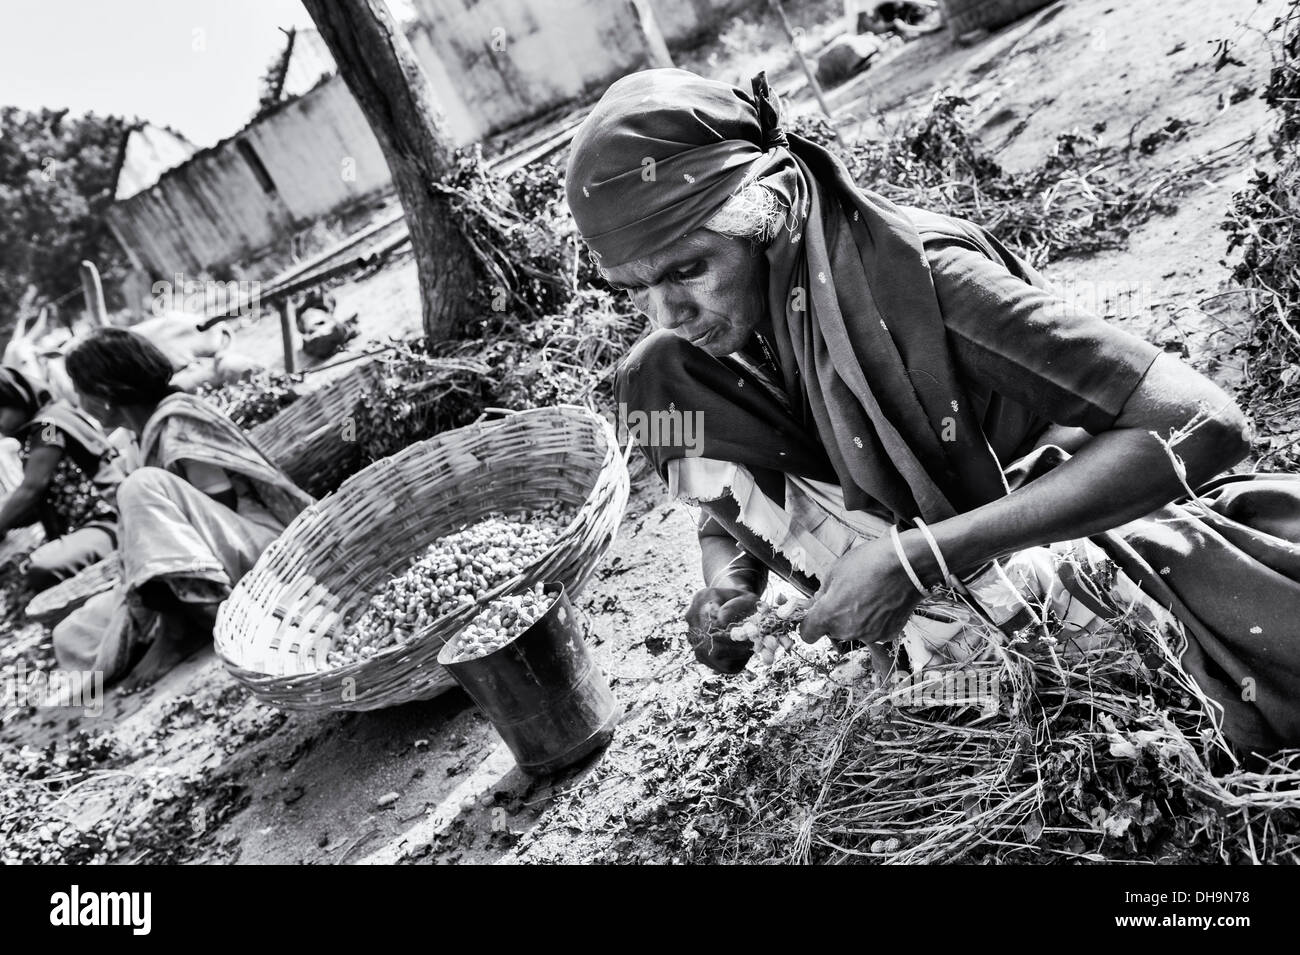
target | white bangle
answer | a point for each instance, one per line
(902, 559)
(938, 555)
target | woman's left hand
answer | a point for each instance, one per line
(866, 596)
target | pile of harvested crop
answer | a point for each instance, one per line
(422, 392)
(254, 399)
(566, 358)
(453, 572)
(1107, 753)
(1085, 196)
(1104, 754)
(500, 622)
(518, 232)
(1262, 228)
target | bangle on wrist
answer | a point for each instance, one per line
(907, 565)
(949, 580)
(944, 572)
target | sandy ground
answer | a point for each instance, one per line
(306, 788)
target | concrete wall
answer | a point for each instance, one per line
(685, 22)
(492, 64)
(319, 154)
(512, 59)
(203, 213)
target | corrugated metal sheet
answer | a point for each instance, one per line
(149, 152)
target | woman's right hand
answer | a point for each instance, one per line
(709, 619)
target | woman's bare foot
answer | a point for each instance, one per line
(178, 639)
(165, 653)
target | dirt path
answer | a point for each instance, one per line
(1123, 72)
(292, 787)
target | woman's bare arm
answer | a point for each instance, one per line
(20, 506)
(725, 563)
(1116, 477)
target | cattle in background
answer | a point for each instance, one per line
(199, 357)
(38, 352)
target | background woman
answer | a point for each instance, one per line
(68, 480)
(193, 519)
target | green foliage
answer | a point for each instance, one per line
(256, 398)
(56, 179)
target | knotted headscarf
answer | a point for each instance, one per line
(855, 317)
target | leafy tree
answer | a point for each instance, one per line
(56, 179)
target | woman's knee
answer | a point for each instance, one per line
(1271, 507)
(650, 369)
(147, 483)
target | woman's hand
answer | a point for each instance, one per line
(709, 619)
(867, 596)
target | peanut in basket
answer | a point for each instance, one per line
(448, 576)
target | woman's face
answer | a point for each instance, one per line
(708, 288)
(11, 419)
(100, 410)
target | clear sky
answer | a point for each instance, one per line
(191, 64)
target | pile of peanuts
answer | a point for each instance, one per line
(500, 622)
(770, 628)
(447, 577)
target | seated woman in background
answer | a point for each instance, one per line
(193, 518)
(68, 480)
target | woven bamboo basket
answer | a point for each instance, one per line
(964, 16)
(308, 440)
(275, 630)
(52, 605)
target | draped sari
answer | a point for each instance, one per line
(173, 532)
(874, 398)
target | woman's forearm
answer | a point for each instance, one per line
(18, 507)
(1116, 477)
(727, 565)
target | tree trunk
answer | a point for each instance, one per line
(378, 64)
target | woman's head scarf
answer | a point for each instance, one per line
(852, 304)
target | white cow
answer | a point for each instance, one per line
(37, 352)
(199, 357)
